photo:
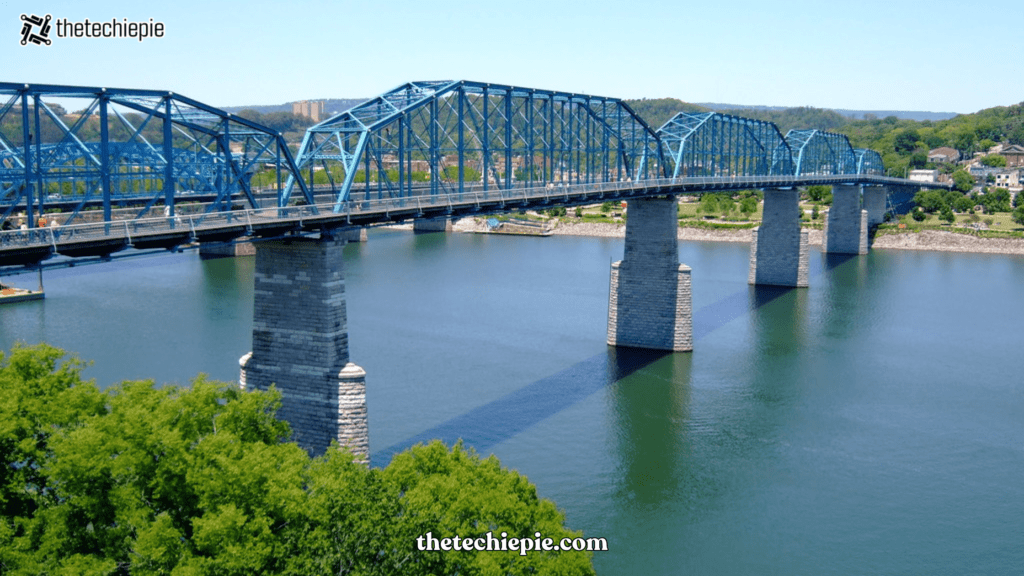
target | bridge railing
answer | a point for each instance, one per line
(191, 227)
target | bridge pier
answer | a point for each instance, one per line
(846, 225)
(874, 203)
(432, 225)
(356, 234)
(242, 247)
(300, 344)
(778, 247)
(649, 302)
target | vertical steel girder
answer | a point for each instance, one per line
(722, 145)
(123, 144)
(818, 152)
(456, 136)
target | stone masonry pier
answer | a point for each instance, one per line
(778, 248)
(300, 343)
(846, 225)
(874, 203)
(650, 304)
(432, 225)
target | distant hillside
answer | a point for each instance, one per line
(901, 114)
(854, 114)
(803, 118)
(332, 106)
(657, 111)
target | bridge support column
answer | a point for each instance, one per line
(432, 225)
(778, 247)
(649, 304)
(874, 203)
(242, 247)
(846, 225)
(354, 234)
(300, 344)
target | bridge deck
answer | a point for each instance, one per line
(21, 248)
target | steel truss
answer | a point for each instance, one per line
(124, 143)
(820, 152)
(722, 145)
(459, 136)
(869, 161)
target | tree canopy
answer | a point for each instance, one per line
(138, 479)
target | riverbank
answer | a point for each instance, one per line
(932, 240)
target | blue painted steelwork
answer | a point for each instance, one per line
(869, 161)
(713, 144)
(459, 136)
(817, 152)
(125, 142)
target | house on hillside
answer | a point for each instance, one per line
(1014, 156)
(1007, 179)
(944, 155)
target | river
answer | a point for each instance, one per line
(870, 424)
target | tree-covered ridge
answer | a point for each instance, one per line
(657, 111)
(201, 480)
(802, 118)
(904, 144)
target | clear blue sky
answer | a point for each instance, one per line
(938, 56)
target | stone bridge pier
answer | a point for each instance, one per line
(649, 303)
(846, 224)
(874, 203)
(778, 247)
(300, 343)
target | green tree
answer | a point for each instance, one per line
(963, 181)
(919, 159)
(947, 214)
(1016, 136)
(906, 141)
(994, 161)
(817, 192)
(929, 200)
(201, 480)
(748, 205)
(963, 204)
(1018, 215)
(708, 204)
(726, 205)
(996, 200)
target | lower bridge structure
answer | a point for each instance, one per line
(427, 151)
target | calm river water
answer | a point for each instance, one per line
(871, 424)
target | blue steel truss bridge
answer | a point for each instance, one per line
(148, 169)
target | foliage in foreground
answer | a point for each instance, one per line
(144, 480)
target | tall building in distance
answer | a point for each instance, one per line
(312, 108)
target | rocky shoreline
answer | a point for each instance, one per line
(932, 240)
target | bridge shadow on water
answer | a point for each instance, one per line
(833, 261)
(490, 424)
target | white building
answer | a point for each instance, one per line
(924, 175)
